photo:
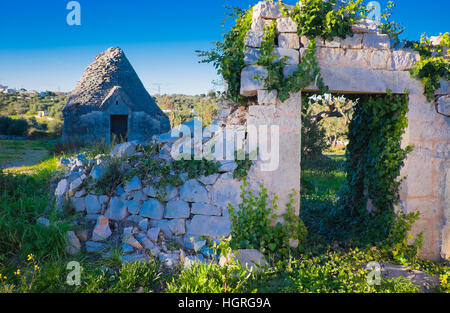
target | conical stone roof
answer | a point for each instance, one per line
(110, 69)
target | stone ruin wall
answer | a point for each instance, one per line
(363, 64)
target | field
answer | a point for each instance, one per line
(32, 257)
(17, 154)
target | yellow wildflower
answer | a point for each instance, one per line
(30, 257)
(17, 272)
(36, 268)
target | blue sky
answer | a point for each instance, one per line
(38, 50)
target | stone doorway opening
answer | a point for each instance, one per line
(367, 176)
(119, 128)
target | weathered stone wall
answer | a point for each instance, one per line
(364, 64)
(93, 124)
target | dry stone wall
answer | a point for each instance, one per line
(141, 216)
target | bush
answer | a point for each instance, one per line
(11, 127)
(252, 223)
(228, 277)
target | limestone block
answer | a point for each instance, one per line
(251, 55)
(226, 191)
(145, 241)
(169, 193)
(73, 243)
(286, 25)
(133, 185)
(354, 42)
(143, 224)
(206, 209)
(304, 42)
(443, 106)
(124, 150)
(79, 204)
(320, 43)
(43, 221)
(248, 258)
(177, 209)
(97, 172)
(420, 180)
(193, 191)
(153, 233)
(150, 191)
(96, 247)
(363, 80)
(259, 23)
(177, 227)
(420, 109)
(252, 80)
(340, 58)
(101, 231)
(133, 206)
(431, 230)
(380, 60)
(445, 87)
(254, 39)
(289, 41)
(267, 9)
(212, 226)
(267, 98)
(292, 54)
(280, 173)
(152, 209)
(376, 41)
(365, 26)
(93, 204)
(117, 209)
(404, 60)
(335, 43)
(208, 180)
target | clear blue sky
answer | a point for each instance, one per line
(38, 50)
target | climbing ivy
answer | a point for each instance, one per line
(228, 56)
(317, 18)
(374, 159)
(433, 65)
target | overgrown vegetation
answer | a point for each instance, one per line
(13, 127)
(256, 226)
(433, 65)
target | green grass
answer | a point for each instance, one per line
(324, 176)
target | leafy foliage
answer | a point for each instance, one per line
(255, 225)
(228, 56)
(317, 18)
(434, 64)
(229, 277)
(13, 127)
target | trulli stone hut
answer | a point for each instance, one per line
(110, 102)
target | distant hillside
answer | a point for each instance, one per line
(31, 103)
(179, 108)
(182, 108)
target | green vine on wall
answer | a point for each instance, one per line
(433, 65)
(374, 160)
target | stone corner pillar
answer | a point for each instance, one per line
(284, 178)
